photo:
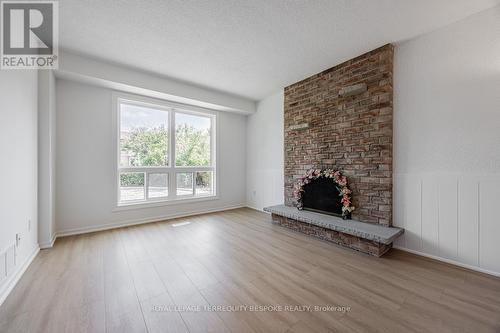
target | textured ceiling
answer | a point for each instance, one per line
(249, 48)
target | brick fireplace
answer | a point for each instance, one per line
(341, 119)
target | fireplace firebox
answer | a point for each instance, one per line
(322, 196)
(324, 191)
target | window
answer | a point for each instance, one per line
(164, 152)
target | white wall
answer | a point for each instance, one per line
(18, 170)
(265, 154)
(87, 70)
(46, 157)
(85, 195)
(447, 142)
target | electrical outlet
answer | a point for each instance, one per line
(18, 240)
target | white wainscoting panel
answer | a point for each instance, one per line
(489, 224)
(10, 259)
(413, 213)
(430, 216)
(468, 220)
(398, 211)
(3, 267)
(450, 216)
(265, 188)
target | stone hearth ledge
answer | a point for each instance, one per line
(374, 232)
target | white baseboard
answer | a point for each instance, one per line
(9, 284)
(257, 209)
(254, 208)
(108, 226)
(50, 244)
(84, 230)
(449, 261)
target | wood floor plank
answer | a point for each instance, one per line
(161, 317)
(214, 273)
(88, 318)
(146, 280)
(123, 311)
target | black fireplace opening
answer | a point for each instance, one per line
(322, 196)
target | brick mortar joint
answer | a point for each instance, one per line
(368, 157)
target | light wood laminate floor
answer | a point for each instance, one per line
(160, 278)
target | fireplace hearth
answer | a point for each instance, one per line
(370, 238)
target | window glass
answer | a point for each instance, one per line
(132, 186)
(147, 170)
(157, 185)
(204, 183)
(185, 183)
(143, 136)
(192, 140)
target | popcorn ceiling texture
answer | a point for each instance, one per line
(352, 134)
(247, 48)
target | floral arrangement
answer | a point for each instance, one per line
(339, 180)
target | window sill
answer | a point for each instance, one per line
(161, 203)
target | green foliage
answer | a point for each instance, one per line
(132, 179)
(148, 147)
(192, 146)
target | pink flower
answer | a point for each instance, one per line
(342, 181)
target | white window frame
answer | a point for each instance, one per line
(171, 169)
